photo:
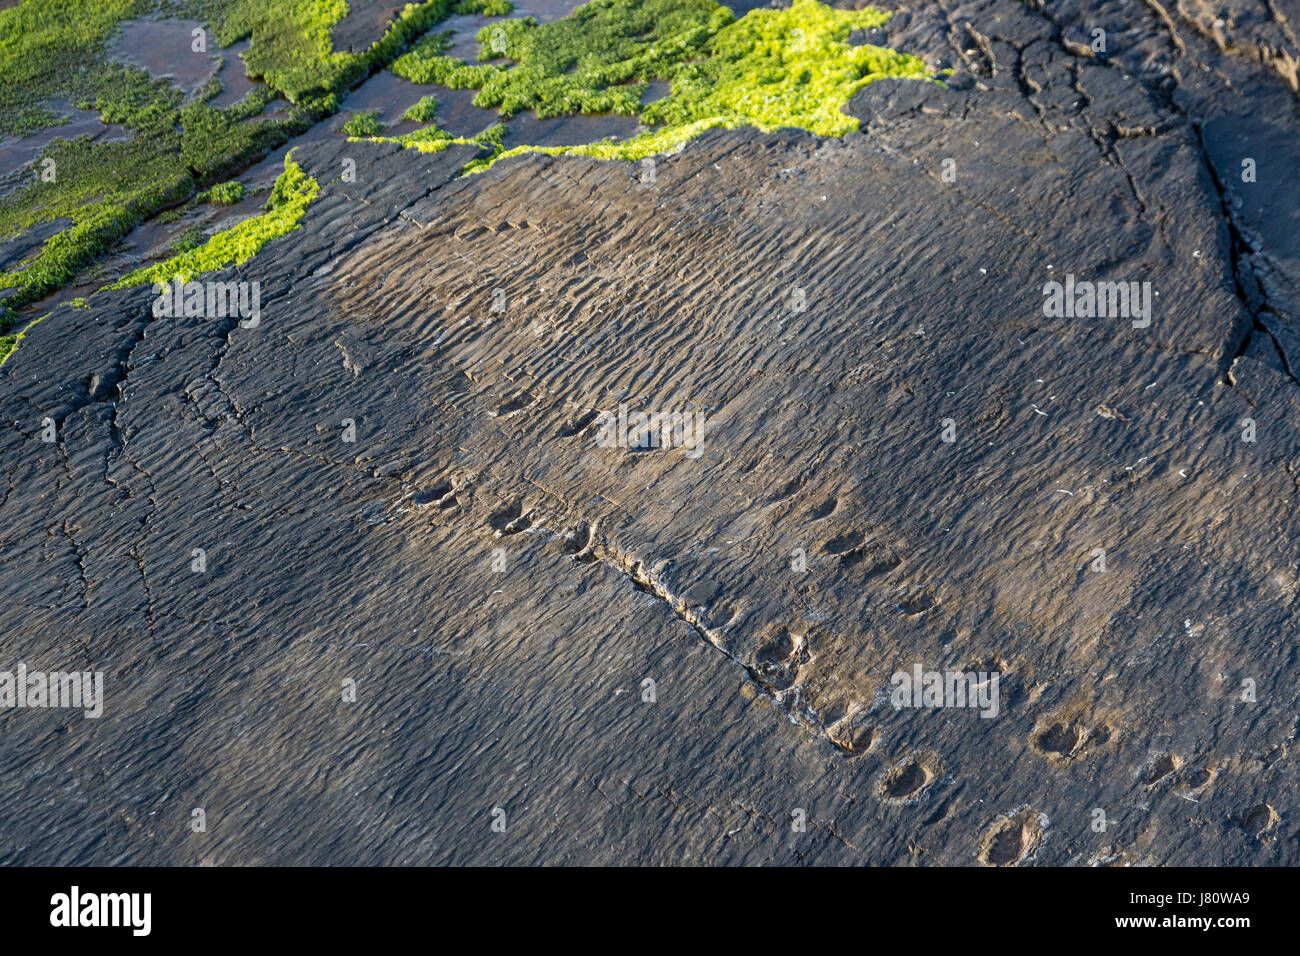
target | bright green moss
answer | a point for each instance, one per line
(363, 124)
(49, 50)
(430, 139)
(292, 42)
(426, 63)
(294, 191)
(777, 68)
(107, 188)
(489, 8)
(292, 46)
(769, 69)
(654, 143)
(433, 140)
(596, 60)
(223, 194)
(493, 137)
(425, 111)
(58, 49)
(291, 187)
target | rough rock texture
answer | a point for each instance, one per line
(365, 22)
(522, 688)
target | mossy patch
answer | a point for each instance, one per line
(363, 124)
(596, 60)
(292, 42)
(783, 68)
(488, 8)
(434, 140)
(223, 194)
(46, 49)
(769, 69)
(426, 63)
(59, 49)
(294, 191)
(425, 111)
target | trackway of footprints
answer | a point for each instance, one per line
(784, 660)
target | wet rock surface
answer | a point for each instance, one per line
(500, 588)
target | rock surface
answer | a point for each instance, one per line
(500, 588)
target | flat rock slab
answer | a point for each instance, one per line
(433, 600)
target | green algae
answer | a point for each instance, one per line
(596, 60)
(424, 111)
(430, 139)
(426, 63)
(47, 50)
(58, 49)
(223, 194)
(363, 124)
(783, 68)
(294, 191)
(770, 69)
(292, 43)
(488, 8)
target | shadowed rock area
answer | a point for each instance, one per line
(500, 587)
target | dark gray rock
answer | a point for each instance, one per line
(500, 588)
